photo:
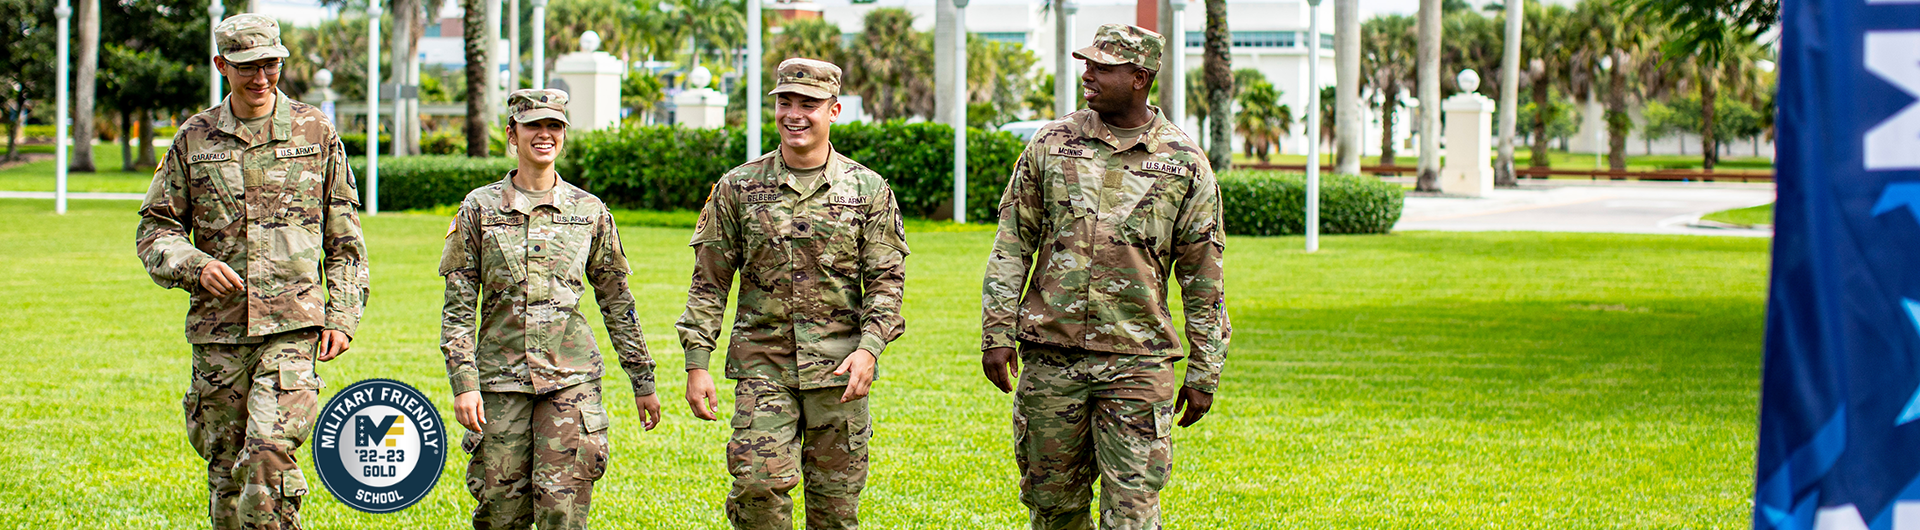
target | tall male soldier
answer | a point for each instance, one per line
(820, 249)
(1110, 198)
(252, 206)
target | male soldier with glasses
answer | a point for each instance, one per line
(1115, 200)
(252, 206)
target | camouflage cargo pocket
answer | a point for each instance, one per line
(594, 451)
(299, 375)
(1163, 420)
(859, 430)
(292, 483)
(196, 430)
(470, 441)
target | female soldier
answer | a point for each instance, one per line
(529, 390)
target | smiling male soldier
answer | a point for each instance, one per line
(252, 206)
(1111, 198)
(818, 243)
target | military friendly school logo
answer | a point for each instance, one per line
(381, 446)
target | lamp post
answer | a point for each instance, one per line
(1313, 125)
(215, 11)
(753, 79)
(539, 43)
(1177, 44)
(1063, 82)
(62, 14)
(373, 107)
(959, 111)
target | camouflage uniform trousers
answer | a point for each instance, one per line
(783, 434)
(538, 459)
(248, 410)
(1080, 412)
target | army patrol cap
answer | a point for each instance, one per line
(1124, 44)
(808, 77)
(532, 104)
(249, 37)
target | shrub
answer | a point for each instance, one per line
(356, 144)
(1268, 203)
(419, 182)
(655, 168)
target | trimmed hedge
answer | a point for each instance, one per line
(1270, 203)
(420, 182)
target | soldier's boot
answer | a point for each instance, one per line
(500, 472)
(215, 407)
(1131, 440)
(763, 455)
(834, 452)
(570, 452)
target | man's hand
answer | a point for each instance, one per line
(649, 408)
(333, 342)
(468, 409)
(700, 395)
(860, 364)
(1194, 403)
(219, 279)
(998, 363)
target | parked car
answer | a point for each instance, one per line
(1025, 129)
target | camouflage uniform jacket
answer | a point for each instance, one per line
(277, 207)
(1108, 222)
(528, 258)
(822, 271)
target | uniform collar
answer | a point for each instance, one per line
(784, 174)
(282, 120)
(511, 200)
(1095, 128)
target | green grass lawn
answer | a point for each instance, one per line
(38, 175)
(1414, 380)
(1754, 215)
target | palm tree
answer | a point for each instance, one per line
(1387, 62)
(891, 65)
(1219, 76)
(87, 54)
(1346, 109)
(1547, 54)
(1428, 62)
(711, 25)
(1619, 38)
(1262, 119)
(1511, 19)
(1706, 30)
(473, 24)
(810, 38)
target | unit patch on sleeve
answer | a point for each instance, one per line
(1163, 167)
(216, 156)
(1076, 152)
(291, 152)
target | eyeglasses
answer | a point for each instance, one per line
(250, 70)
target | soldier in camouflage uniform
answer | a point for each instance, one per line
(529, 390)
(1115, 200)
(818, 243)
(251, 208)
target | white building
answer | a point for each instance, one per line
(1267, 35)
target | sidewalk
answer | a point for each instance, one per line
(1621, 207)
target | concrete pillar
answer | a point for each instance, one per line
(1468, 168)
(697, 107)
(593, 82)
(1066, 78)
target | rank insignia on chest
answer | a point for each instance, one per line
(849, 201)
(570, 219)
(218, 156)
(1163, 167)
(1075, 152)
(291, 152)
(763, 196)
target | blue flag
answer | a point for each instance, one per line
(1839, 445)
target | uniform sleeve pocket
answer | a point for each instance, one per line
(299, 375)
